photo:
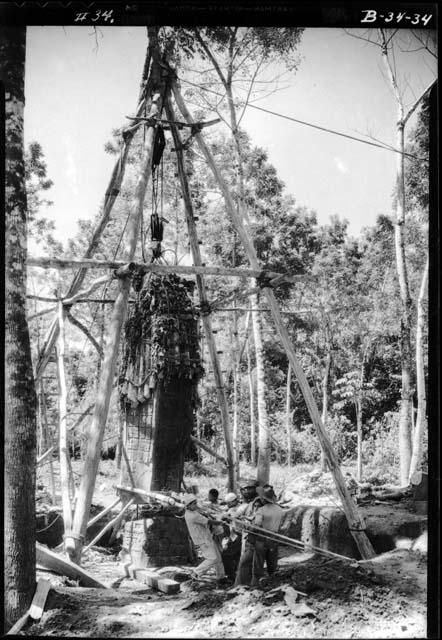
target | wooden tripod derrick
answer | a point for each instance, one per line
(158, 377)
(163, 411)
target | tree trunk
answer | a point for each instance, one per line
(421, 420)
(173, 422)
(74, 542)
(405, 340)
(235, 430)
(252, 406)
(62, 426)
(20, 404)
(288, 421)
(358, 407)
(263, 422)
(401, 267)
(324, 415)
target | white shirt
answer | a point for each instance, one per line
(198, 528)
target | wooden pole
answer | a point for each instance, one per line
(62, 400)
(109, 525)
(288, 417)
(96, 431)
(252, 406)
(103, 513)
(355, 521)
(44, 417)
(213, 453)
(122, 269)
(202, 293)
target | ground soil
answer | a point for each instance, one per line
(383, 598)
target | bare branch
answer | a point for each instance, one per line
(416, 103)
(85, 330)
(250, 90)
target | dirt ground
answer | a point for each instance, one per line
(383, 598)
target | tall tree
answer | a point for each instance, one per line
(20, 397)
(386, 40)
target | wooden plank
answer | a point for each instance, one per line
(152, 579)
(54, 562)
(39, 599)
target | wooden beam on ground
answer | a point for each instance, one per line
(208, 449)
(54, 562)
(152, 579)
(122, 269)
(355, 520)
(157, 82)
(202, 294)
(39, 599)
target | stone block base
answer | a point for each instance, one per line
(158, 541)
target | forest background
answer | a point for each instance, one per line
(344, 313)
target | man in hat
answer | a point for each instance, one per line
(246, 511)
(269, 516)
(199, 530)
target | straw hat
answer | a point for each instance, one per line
(230, 497)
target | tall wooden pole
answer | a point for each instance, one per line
(202, 293)
(62, 427)
(355, 521)
(74, 539)
(252, 405)
(288, 421)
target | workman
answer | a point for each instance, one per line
(246, 511)
(199, 530)
(213, 507)
(231, 545)
(269, 516)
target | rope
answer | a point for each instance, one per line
(49, 525)
(310, 124)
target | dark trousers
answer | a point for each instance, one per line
(264, 552)
(230, 556)
(244, 571)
